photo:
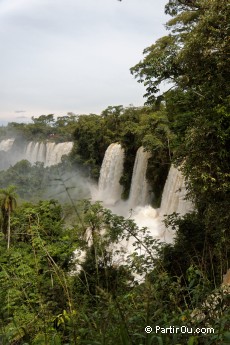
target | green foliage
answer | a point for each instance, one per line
(41, 303)
(132, 127)
(159, 64)
(32, 275)
(44, 127)
(186, 58)
(194, 59)
(27, 177)
(34, 181)
(90, 142)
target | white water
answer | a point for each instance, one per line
(109, 187)
(48, 153)
(173, 200)
(6, 145)
(137, 207)
(174, 193)
(140, 190)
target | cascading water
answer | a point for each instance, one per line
(140, 190)
(174, 193)
(173, 197)
(110, 193)
(28, 151)
(31, 152)
(173, 200)
(137, 208)
(41, 152)
(184, 205)
(109, 188)
(48, 153)
(54, 152)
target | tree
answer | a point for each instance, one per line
(44, 120)
(194, 60)
(91, 142)
(8, 204)
(34, 285)
(194, 57)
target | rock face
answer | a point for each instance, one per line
(216, 303)
(226, 278)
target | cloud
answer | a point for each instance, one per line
(74, 55)
(12, 7)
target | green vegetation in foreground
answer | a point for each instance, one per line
(45, 301)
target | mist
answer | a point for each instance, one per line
(39, 170)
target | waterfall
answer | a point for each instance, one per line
(28, 151)
(51, 156)
(41, 152)
(174, 193)
(54, 152)
(31, 152)
(109, 188)
(48, 153)
(140, 190)
(173, 200)
(145, 216)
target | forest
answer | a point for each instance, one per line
(48, 296)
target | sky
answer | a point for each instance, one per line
(73, 56)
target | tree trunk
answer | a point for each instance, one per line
(8, 231)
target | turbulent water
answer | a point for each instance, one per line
(109, 189)
(137, 207)
(48, 153)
